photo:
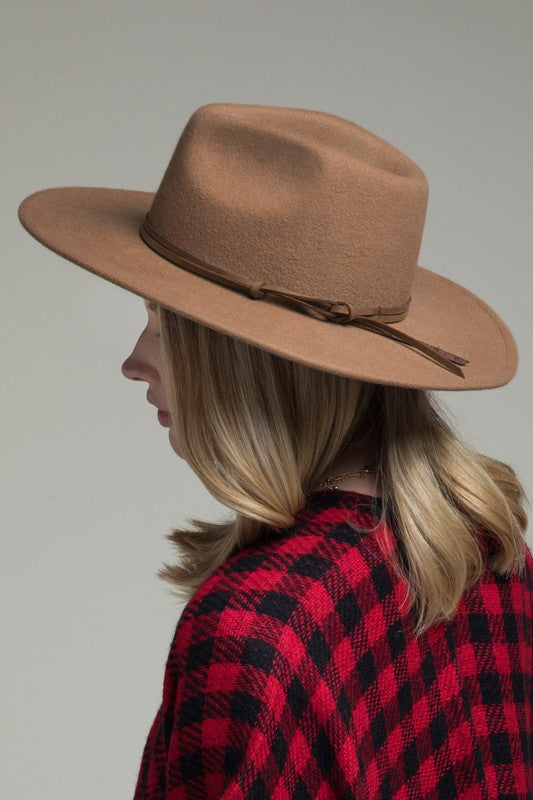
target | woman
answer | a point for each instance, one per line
(361, 627)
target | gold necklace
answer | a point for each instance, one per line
(331, 483)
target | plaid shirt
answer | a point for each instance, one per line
(293, 675)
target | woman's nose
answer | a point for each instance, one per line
(131, 369)
(137, 368)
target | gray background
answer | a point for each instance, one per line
(97, 94)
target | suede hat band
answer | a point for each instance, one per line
(335, 311)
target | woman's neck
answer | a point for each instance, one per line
(353, 459)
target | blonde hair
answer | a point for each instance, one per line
(259, 430)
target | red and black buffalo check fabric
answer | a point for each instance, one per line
(293, 674)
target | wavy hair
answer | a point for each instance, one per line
(259, 430)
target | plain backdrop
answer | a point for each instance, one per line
(97, 94)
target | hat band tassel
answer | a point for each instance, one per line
(342, 312)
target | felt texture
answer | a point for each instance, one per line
(300, 199)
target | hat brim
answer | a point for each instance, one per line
(98, 229)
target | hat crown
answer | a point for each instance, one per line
(295, 197)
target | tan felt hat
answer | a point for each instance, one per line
(297, 231)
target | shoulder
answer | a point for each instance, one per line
(275, 593)
(278, 623)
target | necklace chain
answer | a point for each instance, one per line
(331, 483)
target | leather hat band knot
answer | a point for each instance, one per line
(256, 289)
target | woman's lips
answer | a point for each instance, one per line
(163, 417)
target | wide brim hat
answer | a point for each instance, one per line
(297, 231)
